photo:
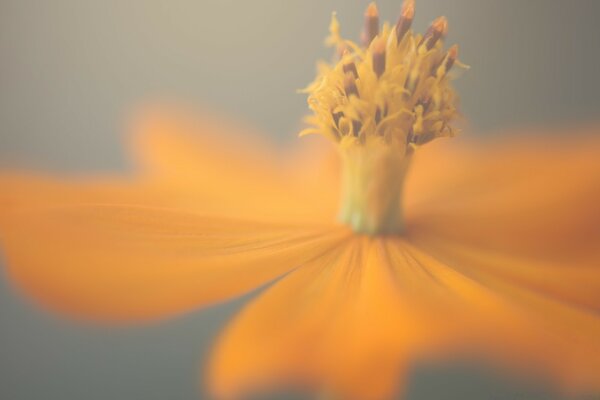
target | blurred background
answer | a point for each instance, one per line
(72, 71)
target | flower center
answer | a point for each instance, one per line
(378, 102)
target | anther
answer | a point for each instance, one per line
(336, 118)
(379, 57)
(447, 62)
(356, 127)
(377, 116)
(450, 58)
(350, 85)
(437, 30)
(407, 14)
(349, 67)
(371, 24)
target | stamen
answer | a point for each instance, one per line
(418, 121)
(424, 102)
(336, 118)
(451, 58)
(447, 62)
(356, 126)
(350, 85)
(437, 30)
(349, 66)
(423, 138)
(371, 24)
(412, 80)
(380, 113)
(410, 137)
(379, 57)
(407, 14)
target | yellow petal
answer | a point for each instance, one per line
(134, 263)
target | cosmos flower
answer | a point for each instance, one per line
(476, 248)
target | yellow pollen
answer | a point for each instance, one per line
(379, 102)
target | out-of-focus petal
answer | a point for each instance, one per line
(204, 165)
(231, 170)
(520, 217)
(22, 190)
(496, 160)
(351, 322)
(529, 195)
(134, 263)
(337, 325)
(26, 189)
(527, 214)
(532, 325)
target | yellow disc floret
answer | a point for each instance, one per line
(397, 86)
(379, 101)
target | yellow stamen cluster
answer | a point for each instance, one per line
(379, 101)
(396, 86)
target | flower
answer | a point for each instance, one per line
(484, 248)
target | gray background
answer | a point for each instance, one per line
(72, 71)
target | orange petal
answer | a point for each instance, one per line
(576, 283)
(123, 262)
(445, 167)
(232, 171)
(26, 189)
(519, 217)
(337, 325)
(498, 313)
(534, 196)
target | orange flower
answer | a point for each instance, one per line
(486, 248)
